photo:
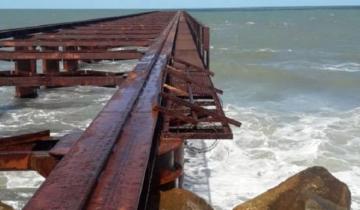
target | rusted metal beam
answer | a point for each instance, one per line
(95, 36)
(39, 161)
(60, 81)
(176, 114)
(51, 27)
(187, 63)
(108, 32)
(176, 90)
(64, 144)
(50, 66)
(169, 144)
(187, 78)
(198, 134)
(71, 43)
(121, 25)
(25, 66)
(24, 138)
(170, 175)
(106, 55)
(70, 65)
(135, 144)
(200, 109)
(64, 73)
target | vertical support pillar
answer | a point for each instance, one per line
(70, 65)
(25, 67)
(50, 66)
(179, 159)
(206, 44)
(166, 162)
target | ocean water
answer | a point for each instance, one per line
(292, 77)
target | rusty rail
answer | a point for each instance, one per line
(201, 35)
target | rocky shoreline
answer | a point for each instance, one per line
(314, 188)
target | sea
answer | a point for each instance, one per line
(290, 75)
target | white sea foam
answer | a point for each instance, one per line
(267, 50)
(344, 67)
(270, 147)
(250, 23)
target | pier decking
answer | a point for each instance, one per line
(134, 147)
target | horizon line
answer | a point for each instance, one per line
(204, 8)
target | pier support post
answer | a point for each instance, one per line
(206, 45)
(179, 159)
(70, 65)
(50, 66)
(25, 67)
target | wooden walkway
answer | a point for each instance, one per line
(134, 147)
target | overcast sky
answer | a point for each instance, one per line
(145, 4)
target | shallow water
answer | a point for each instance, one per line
(290, 76)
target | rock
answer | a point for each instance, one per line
(3, 206)
(180, 199)
(312, 189)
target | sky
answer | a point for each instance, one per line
(153, 4)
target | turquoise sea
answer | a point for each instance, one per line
(291, 76)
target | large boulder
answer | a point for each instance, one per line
(312, 189)
(3, 206)
(180, 199)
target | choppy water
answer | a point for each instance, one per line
(291, 76)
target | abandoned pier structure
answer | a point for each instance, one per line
(134, 146)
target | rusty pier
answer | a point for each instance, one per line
(134, 146)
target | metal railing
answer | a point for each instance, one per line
(201, 37)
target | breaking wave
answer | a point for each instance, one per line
(272, 146)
